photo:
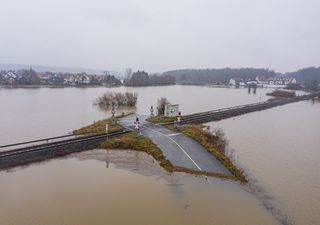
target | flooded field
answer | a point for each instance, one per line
(45, 112)
(279, 149)
(130, 189)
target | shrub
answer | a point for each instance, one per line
(121, 99)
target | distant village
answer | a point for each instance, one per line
(31, 77)
(261, 81)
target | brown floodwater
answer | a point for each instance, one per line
(279, 149)
(131, 188)
(28, 113)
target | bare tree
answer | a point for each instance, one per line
(161, 105)
(128, 73)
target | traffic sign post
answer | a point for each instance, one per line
(136, 126)
(179, 119)
(107, 130)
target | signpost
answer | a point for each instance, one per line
(179, 118)
(136, 126)
(177, 122)
(107, 130)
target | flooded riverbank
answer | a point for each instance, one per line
(131, 189)
(28, 114)
(279, 150)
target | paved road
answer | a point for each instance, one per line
(179, 149)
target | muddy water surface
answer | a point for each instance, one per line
(280, 150)
(83, 189)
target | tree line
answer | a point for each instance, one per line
(222, 76)
(217, 76)
(142, 78)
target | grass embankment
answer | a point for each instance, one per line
(214, 144)
(160, 119)
(99, 127)
(131, 142)
(140, 143)
(282, 94)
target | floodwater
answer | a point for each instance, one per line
(280, 150)
(83, 189)
(27, 114)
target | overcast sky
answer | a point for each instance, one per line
(161, 35)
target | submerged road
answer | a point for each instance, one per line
(177, 148)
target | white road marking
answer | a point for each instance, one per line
(177, 145)
(206, 177)
(170, 135)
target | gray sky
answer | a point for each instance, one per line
(161, 35)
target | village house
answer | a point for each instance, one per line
(45, 77)
(10, 78)
(70, 80)
(56, 80)
(276, 81)
(237, 82)
(82, 79)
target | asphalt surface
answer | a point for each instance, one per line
(177, 148)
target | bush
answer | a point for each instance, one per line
(121, 99)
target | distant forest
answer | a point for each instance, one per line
(306, 75)
(141, 78)
(222, 76)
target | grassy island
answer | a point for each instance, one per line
(99, 127)
(140, 143)
(214, 143)
(282, 94)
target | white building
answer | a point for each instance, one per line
(171, 110)
(82, 79)
(237, 82)
(10, 77)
